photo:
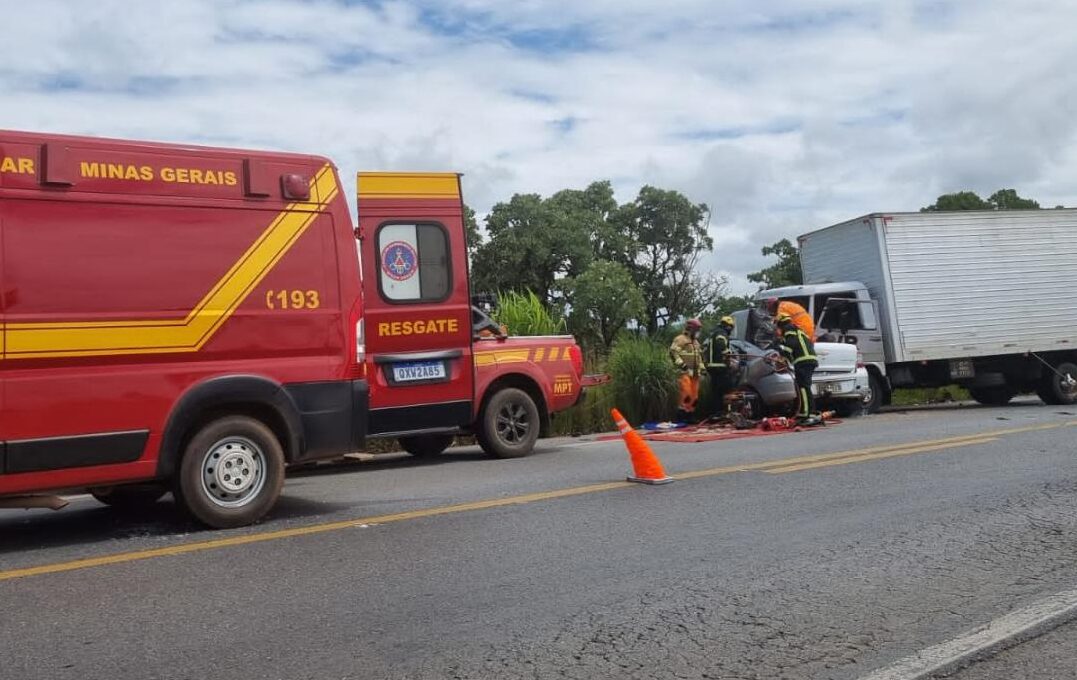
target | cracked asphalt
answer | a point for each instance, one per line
(828, 572)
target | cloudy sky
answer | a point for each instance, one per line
(783, 116)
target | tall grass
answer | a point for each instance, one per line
(524, 314)
(644, 380)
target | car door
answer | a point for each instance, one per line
(417, 312)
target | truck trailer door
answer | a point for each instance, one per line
(416, 302)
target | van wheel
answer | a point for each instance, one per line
(130, 496)
(231, 473)
(509, 424)
(1054, 390)
(426, 445)
(992, 396)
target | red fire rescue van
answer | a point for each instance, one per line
(197, 319)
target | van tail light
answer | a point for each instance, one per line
(576, 357)
(859, 360)
(357, 345)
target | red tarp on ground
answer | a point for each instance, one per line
(710, 433)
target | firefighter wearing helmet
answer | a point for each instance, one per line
(800, 317)
(717, 353)
(687, 355)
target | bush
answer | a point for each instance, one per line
(644, 380)
(526, 315)
(589, 416)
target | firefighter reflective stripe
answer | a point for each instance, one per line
(686, 353)
(718, 351)
(798, 347)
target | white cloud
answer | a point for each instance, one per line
(782, 117)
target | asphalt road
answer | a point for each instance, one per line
(822, 554)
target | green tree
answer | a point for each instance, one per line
(667, 235)
(533, 243)
(1007, 199)
(785, 272)
(1003, 199)
(471, 230)
(723, 305)
(962, 200)
(604, 298)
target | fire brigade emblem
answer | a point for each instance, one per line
(399, 260)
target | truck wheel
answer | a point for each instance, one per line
(130, 496)
(993, 396)
(873, 400)
(426, 445)
(509, 424)
(231, 473)
(1052, 388)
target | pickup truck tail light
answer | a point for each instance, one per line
(576, 356)
(859, 360)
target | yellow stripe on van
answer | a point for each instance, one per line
(140, 336)
(408, 185)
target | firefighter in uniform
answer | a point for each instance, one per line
(718, 365)
(687, 356)
(799, 350)
(797, 313)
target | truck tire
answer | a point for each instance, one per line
(1052, 391)
(130, 496)
(509, 424)
(426, 445)
(1000, 395)
(231, 473)
(873, 400)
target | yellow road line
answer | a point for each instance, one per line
(877, 456)
(776, 466)
(120, 558)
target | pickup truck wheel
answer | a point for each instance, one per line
(231, 473)
(999, 395)
(509, 425)
(130, 496)
(426, 445)
(1054, 390)
(873, 400)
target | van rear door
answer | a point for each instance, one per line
(416, 302)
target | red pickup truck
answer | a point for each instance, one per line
(197, 319)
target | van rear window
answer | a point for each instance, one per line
(414, 263)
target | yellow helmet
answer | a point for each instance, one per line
(727, 321)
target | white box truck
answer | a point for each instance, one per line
(983, 299)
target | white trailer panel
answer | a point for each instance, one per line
(962, 284)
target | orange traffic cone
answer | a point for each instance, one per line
(645, 465)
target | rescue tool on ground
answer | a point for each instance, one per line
(195, 319)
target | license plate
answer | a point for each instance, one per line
(962, 368)
(413, 371)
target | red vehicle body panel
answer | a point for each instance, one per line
(136, 276)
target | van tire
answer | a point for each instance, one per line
(426, 445)
(130, 496)
(1050, 389)
(509, 424)
(231, 473)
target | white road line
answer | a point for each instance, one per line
(1005, 631)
